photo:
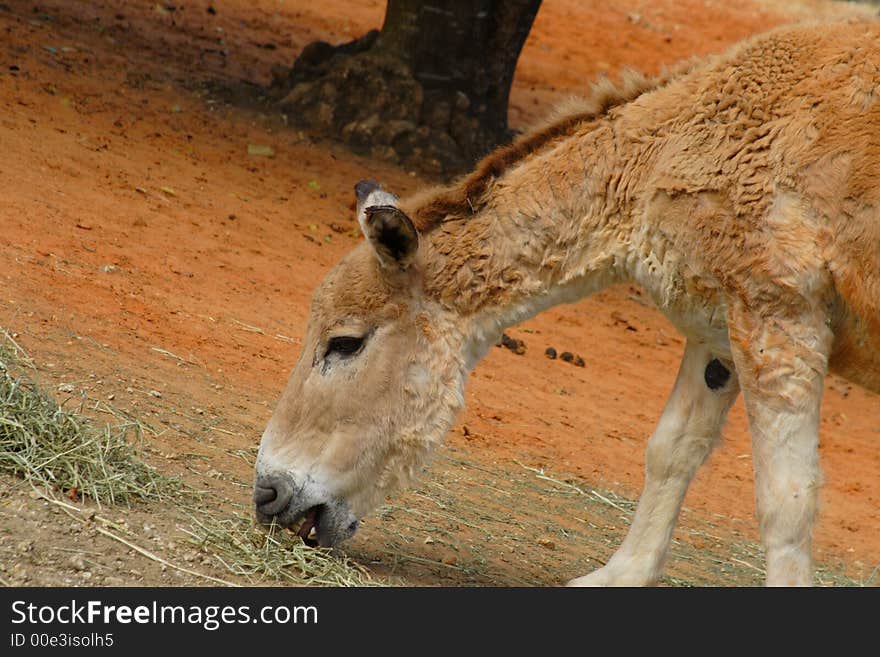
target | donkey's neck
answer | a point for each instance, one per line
(553, 229)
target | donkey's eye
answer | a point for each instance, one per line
(344, 345)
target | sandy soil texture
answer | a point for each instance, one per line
(148, 260)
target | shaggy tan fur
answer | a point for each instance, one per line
(742, 193)
(468, 196)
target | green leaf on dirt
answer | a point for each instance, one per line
(313, 184)
(261, 150)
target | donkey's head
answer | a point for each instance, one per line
(377, 385)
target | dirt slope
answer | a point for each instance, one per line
(143, 249)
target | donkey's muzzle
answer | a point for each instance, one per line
(304, 508)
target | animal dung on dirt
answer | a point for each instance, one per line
(574, 359)
(550, 352)
(740, 192)
(516, 346)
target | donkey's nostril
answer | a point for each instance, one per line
(264, 495)
(273, 493)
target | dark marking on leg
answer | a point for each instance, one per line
(716, 375)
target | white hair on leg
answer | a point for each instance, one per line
(782, 365)
(688, 429)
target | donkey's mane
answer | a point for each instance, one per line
(468, 195)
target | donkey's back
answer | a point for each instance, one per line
(785, 128)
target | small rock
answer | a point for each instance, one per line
(109, 269)
(155, 393)
(429, 540)
(450, 560)
(547, 543)
(78, 562)
(550, 353)
(18, 572)
(567, 356)
(66, 387)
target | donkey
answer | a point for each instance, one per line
(741, 192)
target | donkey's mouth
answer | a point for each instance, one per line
(317, 518)
(324, 525)
(308, 526)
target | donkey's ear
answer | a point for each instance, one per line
(392, 234)
(363, 189)
(369, 192)
(389, 230)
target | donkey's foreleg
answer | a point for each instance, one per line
(688, 429)
(781, 366)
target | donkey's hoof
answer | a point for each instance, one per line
(606, 576)
(597, 578)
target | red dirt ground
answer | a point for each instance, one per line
(133, 218)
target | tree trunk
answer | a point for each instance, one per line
(430, 91)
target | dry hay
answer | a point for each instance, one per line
(54, 448)
(272, 555)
